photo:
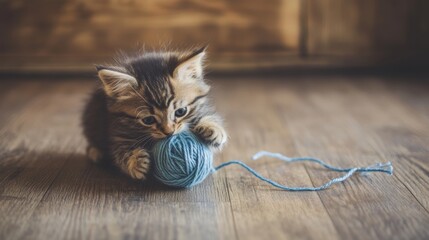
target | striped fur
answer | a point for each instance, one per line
(150, 85)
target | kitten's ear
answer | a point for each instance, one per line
(116, 84)
(191, 67)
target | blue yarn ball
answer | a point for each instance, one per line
(182, 160)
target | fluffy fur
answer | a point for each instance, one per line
(144, 99)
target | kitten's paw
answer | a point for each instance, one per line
(138, 164)
(212, 133)
(94, 154)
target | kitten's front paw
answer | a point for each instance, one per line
(138, 164)
(212, 133)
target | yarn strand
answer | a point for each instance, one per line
(379, 167)
(183, 161)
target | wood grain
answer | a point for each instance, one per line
(380, 29)
(48, 189)
(349, 140)
(26, 169)
(261, 212)
(75, 27)
(70, 36)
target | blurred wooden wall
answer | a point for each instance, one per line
(71, 35)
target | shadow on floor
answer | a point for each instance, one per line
(22, 170)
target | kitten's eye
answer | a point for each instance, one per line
(149, 120)
(181, 112)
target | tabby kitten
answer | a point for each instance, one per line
(145, 99)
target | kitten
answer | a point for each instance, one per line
(145, 99)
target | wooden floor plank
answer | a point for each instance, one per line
(14, 96)
(323, 126)
(253, 125)
(89, 202)
(404, 136)
(36, 133)
(11, 103)
(49, 190)
(414, 94)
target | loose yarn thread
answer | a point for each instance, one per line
(184, 161)
(379, 167)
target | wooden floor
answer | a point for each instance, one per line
(49, 190)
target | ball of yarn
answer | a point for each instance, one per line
(182, 160)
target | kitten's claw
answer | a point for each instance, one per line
(138, 164)
(212, 133)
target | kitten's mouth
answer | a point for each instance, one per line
(161, 135)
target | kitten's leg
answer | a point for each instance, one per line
(135, 163)
(210, 129)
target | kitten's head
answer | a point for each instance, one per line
(160, 93)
